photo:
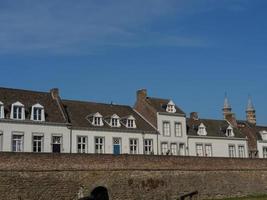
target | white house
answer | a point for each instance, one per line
(32, 122)
(168, 119)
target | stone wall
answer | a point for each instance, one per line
(63, 176)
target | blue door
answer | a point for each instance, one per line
(116, 146)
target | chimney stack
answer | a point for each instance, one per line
(194, 115)
(141, 94)
(54, 93)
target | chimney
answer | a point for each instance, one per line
(141, 94)
(54, 93)
(194, 115)
(230, 117)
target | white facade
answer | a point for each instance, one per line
(262, 144)
(19, 137)
(217, 147)
(171, 135)
(110, 139)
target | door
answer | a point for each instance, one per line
(56, 144)
(116, 146)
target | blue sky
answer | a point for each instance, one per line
(188, 50)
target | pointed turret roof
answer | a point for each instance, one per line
(226, 102)
(250, 106)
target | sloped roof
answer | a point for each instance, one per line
(79, 110)
(160, 105)
(29, 98)
(214, 128)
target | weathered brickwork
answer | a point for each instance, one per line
(50, 176)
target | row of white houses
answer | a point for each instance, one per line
(42, 122)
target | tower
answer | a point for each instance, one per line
(251, 112)
(227, 109)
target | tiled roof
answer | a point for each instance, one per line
(9, 96)
(78, 112)
(214, 128)
(160, 105)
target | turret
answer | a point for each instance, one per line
(227, 109)
(251, 112)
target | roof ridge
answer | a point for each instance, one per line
(91, 102)
(24, 90)
(156, 98)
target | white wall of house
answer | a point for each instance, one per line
(108, 140)
(9, 129)
(172, 119)
(262, 146)
(219, 146)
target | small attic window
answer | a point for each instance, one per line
(96, 119)
(264, 135)
(2, 110)
(130, 122)
(17, 111)
(229, 131)
(202, 130)
(38, 113)
(115, 121)
(171, 107)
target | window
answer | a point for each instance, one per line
(208, 150)
(56, 144)
(2, 111)
(82, 144)
(229, 132)
(99, 145)
(1, 141)
(202, 130)
(148, 146)
(182, 149)
(264, 150)
(37, 113)
(130, 123)
(17, 111)
(166, 129)
(17, 143)
(241, 151)
(171, 107)
(178, 129)
(114, 122)
(37, 142)
(231, 151)
(199, 149)
(164, 148)
(133, 146)
(174, 149)
(96, 119)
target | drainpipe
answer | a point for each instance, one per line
(157, 143)
(70, 127)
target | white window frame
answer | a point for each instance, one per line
(131, 122)
(171, 107)
(148, 146)
(202, 130)
(182, 149)
(40, 115)
(164, 148)
(2, 110)
(264, 152)
(133, 146)
(15, 107)
(241, 151)
(83, 144)
(208, 152)
(199, 150)
(178, 129)
(17, 148)
(61, 141)
(174, 149)
(166, 128)
(42, 142)
(230, 131)
(100, 143)
(232, 151)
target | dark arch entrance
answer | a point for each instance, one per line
(99, 193)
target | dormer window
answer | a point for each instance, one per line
(96, 119)
(229, 132)
(115, 121)
(38, 113)
(2, 111)
(202, 130)
(264, 135)
(17, 111)
(130, 122)
(171, 107)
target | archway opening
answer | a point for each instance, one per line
(100, 193)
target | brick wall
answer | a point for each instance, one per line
(51, 176)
